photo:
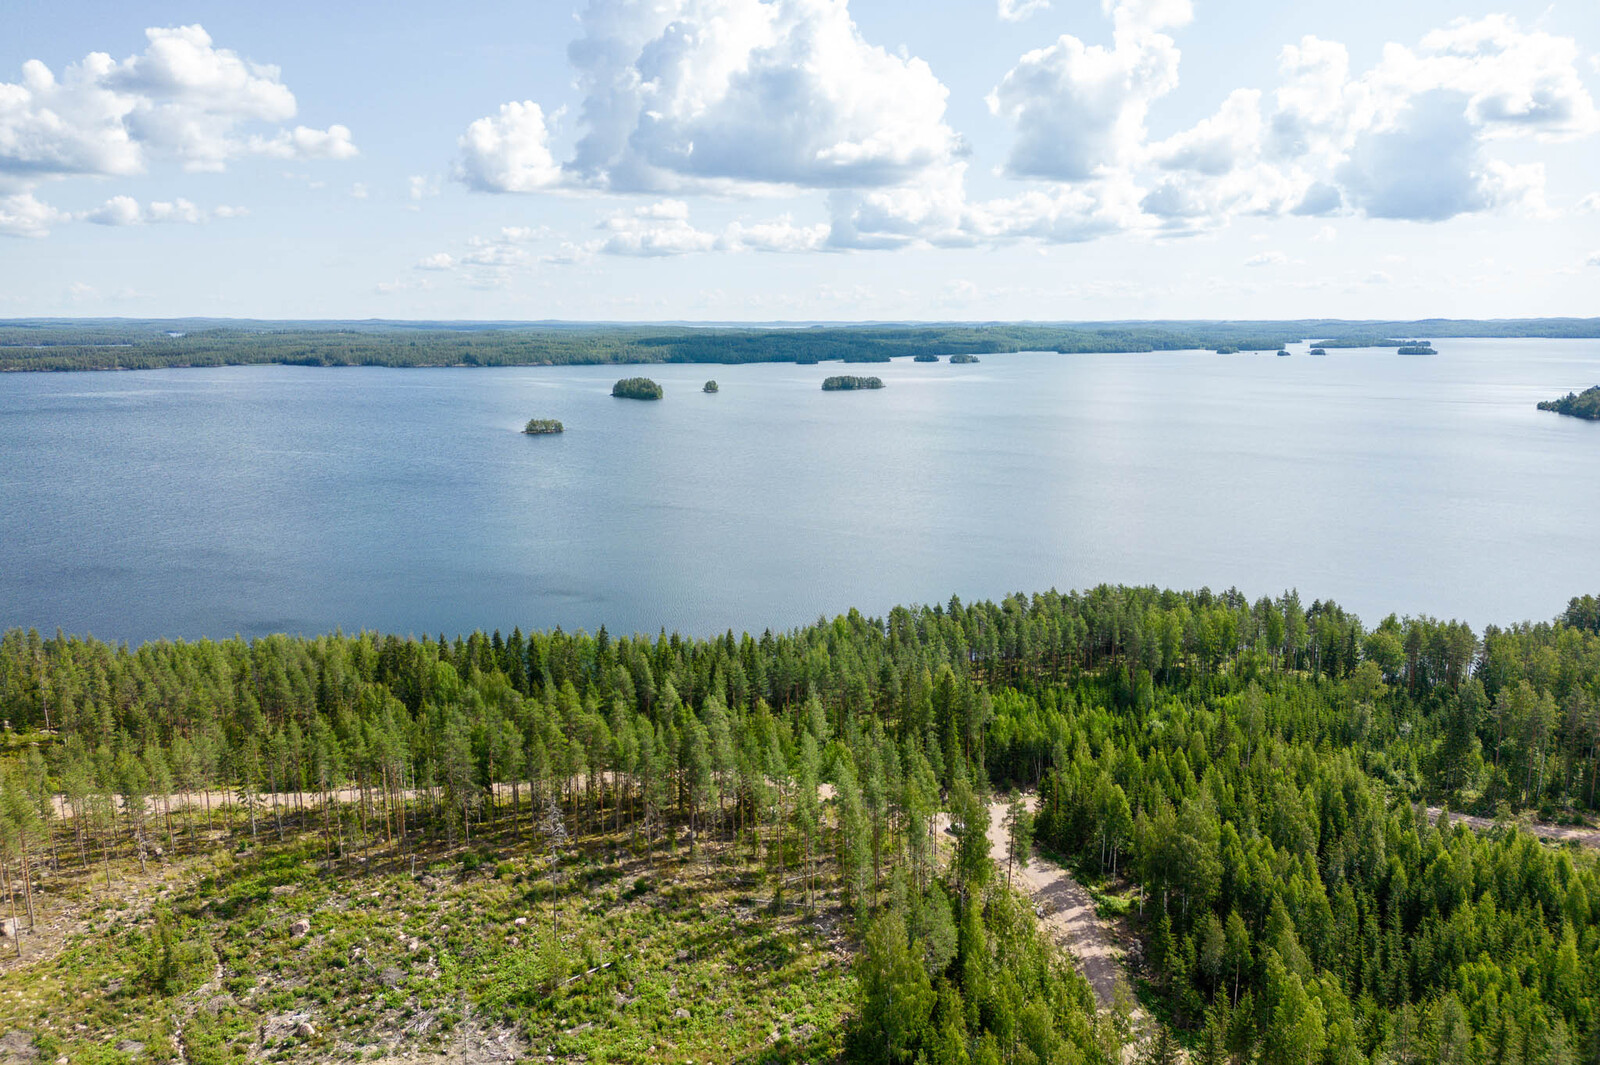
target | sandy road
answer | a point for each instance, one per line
(1068, 910)
(1587, 837)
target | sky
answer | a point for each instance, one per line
(789, 160)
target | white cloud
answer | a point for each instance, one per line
(181, 98)
(117, 211)
(725, 95)
(1590, 204)
(420, 186)
(1079, 109)
(359, 191)
(302, 142)
(657, 229)
(778, 235)
(440, 261)
(493, 254)
(1593, 260)
(1267, 258)
(1325, 235)
(508, 152)
(21, 215)
(127, 211)
(1017, 10)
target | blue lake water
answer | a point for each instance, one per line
(262, 499)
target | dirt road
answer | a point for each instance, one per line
(1068, 910)
(1587, 837)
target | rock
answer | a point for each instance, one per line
(281, 890)
(8, 928)
(300, 927)
(391, 976)
(520, 921)
(131, 1047)
(305, 1030)
(17, 1046)
(413, 945)
(681, 1014)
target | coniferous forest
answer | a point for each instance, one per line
(639, 848)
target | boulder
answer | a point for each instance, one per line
(300, 927)
(681, 1014)
(305, 1030)
(8, 928)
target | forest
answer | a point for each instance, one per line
(133, 344)
(1584, 405)
(1243, 783)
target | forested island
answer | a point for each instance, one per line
(925, 357)
(1319, 351)
(542, 426)
(710, 386)
(1584, 405)
(130, 344)
(1416, 347)
(963, 360)
(800, 847)
(636, 388)
(847, 383)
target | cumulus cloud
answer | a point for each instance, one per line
(1590, 204)
(21, 215)
(1593, 260)
(1267, 258)
(441, 261)
(1017, 10)
(303, 142)
(778, 235)
(181, 98)
(654, 230)
(508, 151)
(749, 97)
(127, 211)
(1080, 109)
(724, 96)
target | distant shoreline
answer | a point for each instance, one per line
(58, 345)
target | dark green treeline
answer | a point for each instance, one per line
(1251, 766)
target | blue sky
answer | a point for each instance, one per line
(800, 159)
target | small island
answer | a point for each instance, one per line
(1283, 353)
(541, 426)
(963, 360)
(1319, 351)
(1585, 405)
(1416, 347)
(1227, 349)
(711, 386)
(846, 383)
(636, 388)
(925, 357)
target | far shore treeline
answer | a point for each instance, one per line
(128, 344)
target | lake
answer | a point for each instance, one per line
(187, 503)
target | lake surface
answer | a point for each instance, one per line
(263, 499)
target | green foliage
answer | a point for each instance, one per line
(848, 383)
(963, 359)
(1244, 776)
(540, 426)
(66, 344)
(1584, 405)
(710, 386)
(636, 388)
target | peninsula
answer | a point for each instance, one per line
(1585, 405)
